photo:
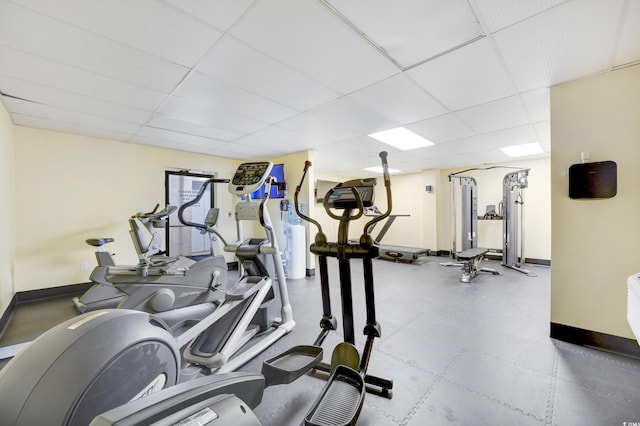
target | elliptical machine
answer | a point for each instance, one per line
(158, 282)
(107, 358)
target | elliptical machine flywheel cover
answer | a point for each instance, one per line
(86, 366)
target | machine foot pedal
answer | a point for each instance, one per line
(290, 365)
(341, 400)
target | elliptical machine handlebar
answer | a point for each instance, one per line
(366, 239)
(201, 226)
(320, 238)
(154, 215)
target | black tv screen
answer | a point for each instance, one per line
(593, 180)
(277, 172)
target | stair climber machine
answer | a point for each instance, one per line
(158, 282)
(108, 358)
(228, 400)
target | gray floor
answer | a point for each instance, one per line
(464, 354)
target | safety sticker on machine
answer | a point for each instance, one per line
(200, 418)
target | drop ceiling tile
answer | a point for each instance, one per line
(254, 146)
(400, 99)
(433, 151)
(468, 76)
(75, 129)
(497, 14)
(490, 156)
(46, 37)
(212, 93)
(515, 136)
(152, 26)
(236, 63)
(152, 133)
(414, 165)
(571, 41)
(229, 150)
(168, 123)
(173, 145)
(470, 144)
(310, 39)
(346, 113)
(71, 101)
(283, 139)
(501, 114)
(317, 128)
(183, 109)
(628, 48)
(219, 13)
(416, 30)
(33, 109)
(537, 103)
(444, 128)
(543, 131)
(29, 68)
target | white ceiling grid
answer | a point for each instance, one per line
(262, 78)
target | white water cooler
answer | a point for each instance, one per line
(296, 246)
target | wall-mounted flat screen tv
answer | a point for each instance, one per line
(593, 180)
(277, 172)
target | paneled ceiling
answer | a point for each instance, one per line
(256, 79)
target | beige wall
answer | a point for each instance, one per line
(537, 207)
(595, 242)
(70, 188)
(7, 212)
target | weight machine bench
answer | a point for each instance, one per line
(470, 260)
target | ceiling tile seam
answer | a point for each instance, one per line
(98, 35)
(182, 132)
(8, 95)
(476, 8)
(182, 81)
(66, 122)
(90, 71)
(279, 62)
(445, 52)
(80, 95)
(424, 90)
(616, 40)
(195, 67)
(491, 39)
(628, 64)
(209, 24)
(343, 19)
(67, 110)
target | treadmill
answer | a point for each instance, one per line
(391, 252)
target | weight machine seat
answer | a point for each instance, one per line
(472, 253)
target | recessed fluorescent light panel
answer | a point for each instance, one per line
(401, 138)
(522, 150)
(378, 169)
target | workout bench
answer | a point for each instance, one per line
(470, 262)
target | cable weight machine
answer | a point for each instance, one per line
(464, 190)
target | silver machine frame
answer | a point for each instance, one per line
(513, 185)
(512, 215)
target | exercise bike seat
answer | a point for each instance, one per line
(97, 242)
